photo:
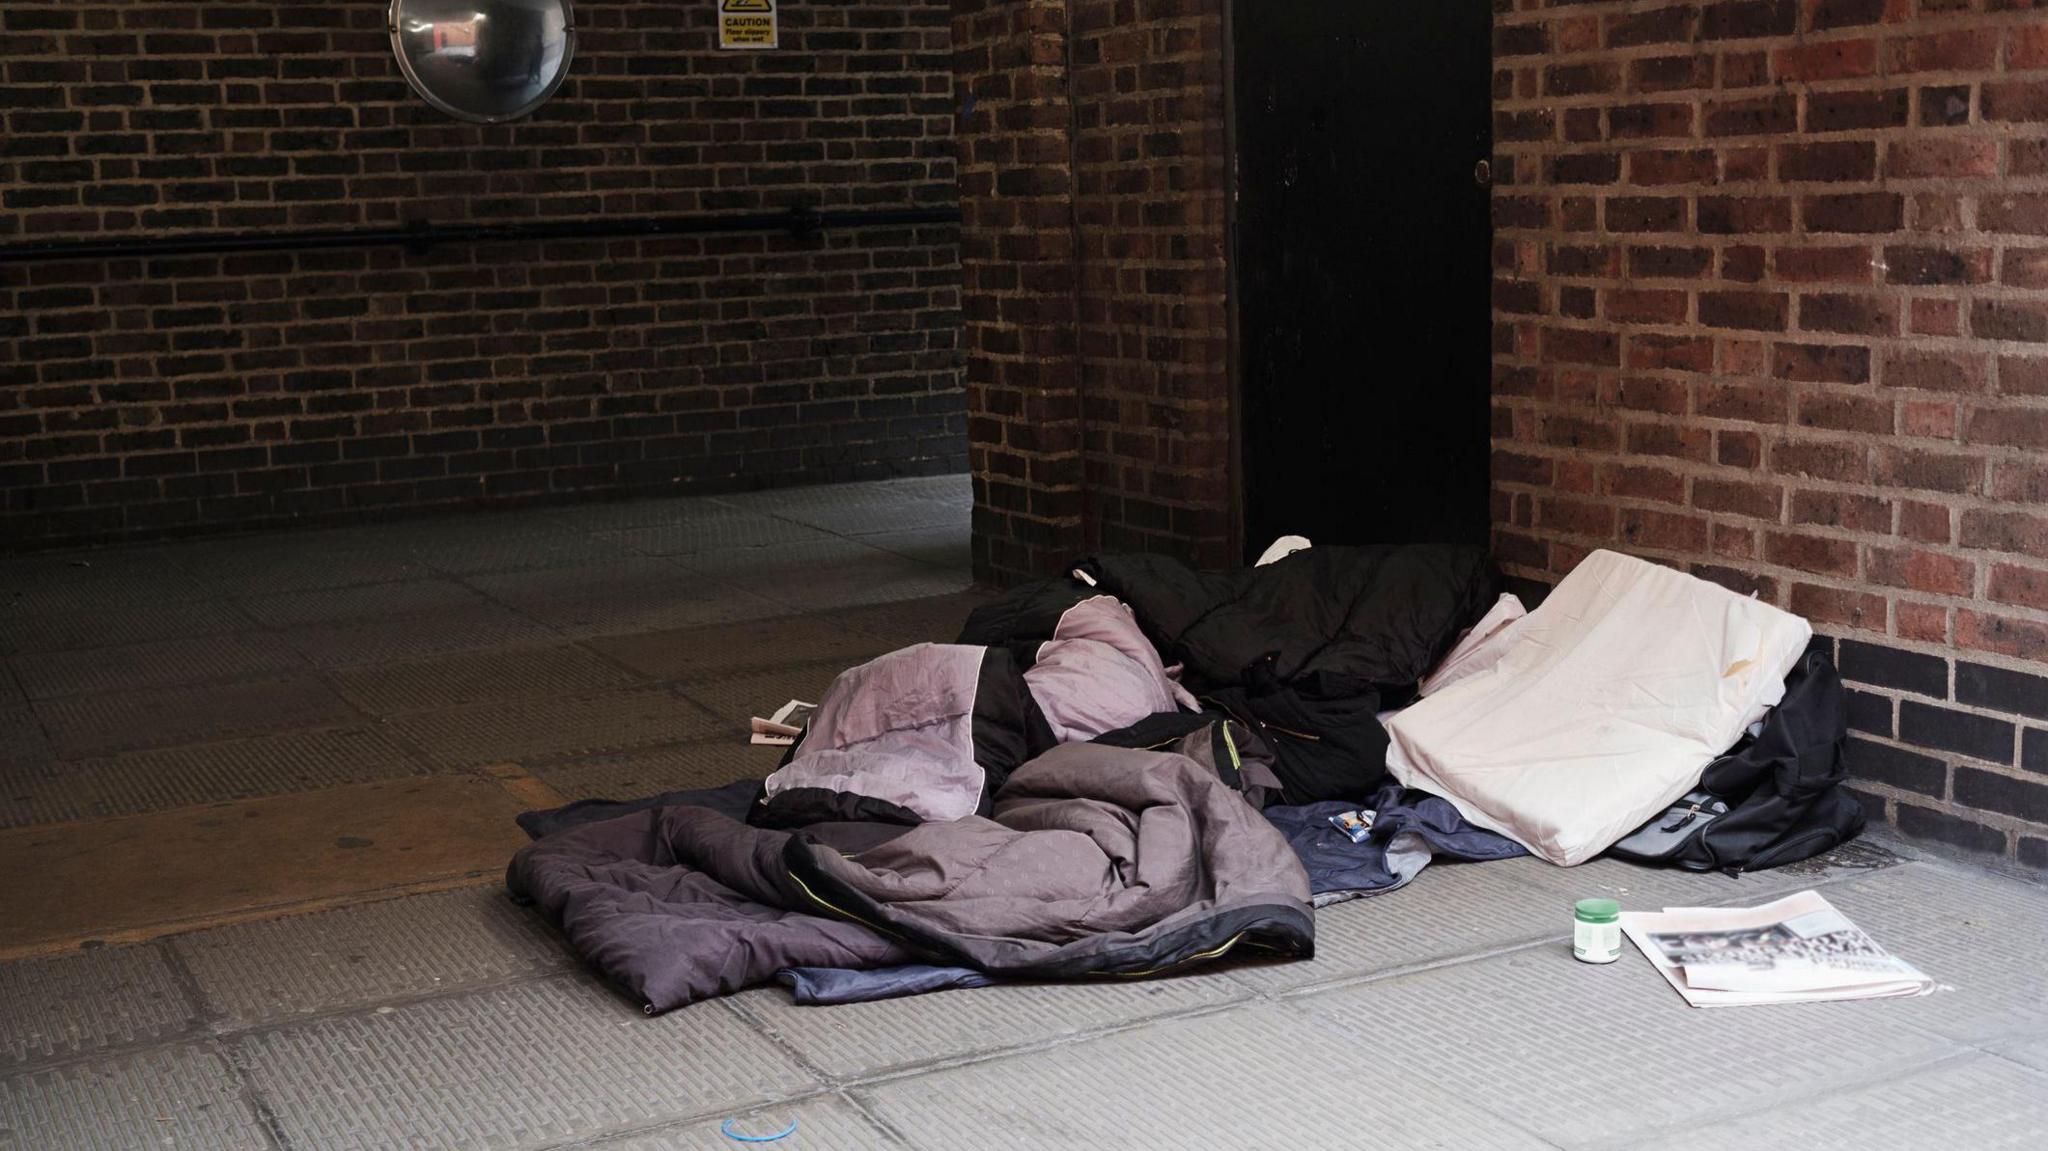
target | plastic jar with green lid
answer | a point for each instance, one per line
(1596, 931)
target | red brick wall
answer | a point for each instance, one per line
(177, 393)
(1151, 169)
(1092, 169)
(1772, 305)
(1018, 277)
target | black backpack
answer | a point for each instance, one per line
(1773, 799)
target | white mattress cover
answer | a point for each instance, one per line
(1600, 707)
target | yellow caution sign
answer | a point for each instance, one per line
(746, 24)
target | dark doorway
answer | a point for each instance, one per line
(1362, 266)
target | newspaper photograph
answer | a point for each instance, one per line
(1797, 949)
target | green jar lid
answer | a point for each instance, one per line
(1596, 911)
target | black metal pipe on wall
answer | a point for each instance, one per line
(796, 221)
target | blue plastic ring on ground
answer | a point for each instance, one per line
(726, 1130)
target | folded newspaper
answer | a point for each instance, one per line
(1797, 950)
(781, 729)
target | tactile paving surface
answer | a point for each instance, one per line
(65, 1005)
(24, 629)
(277, 969)
(22, 742)
(160, 663)
(1534, 1034)
(859, 1039)
(519, 1066)
(498, 543)
(480, 677)
(705, 527)
(737, 698)
(1639, 888)
(680, 767)
(332, 605)
(469, 627)
(537, 729)
(97, 724)
(625, 596)
(934, 618)
(746, 566)
(861, 581)
(825, 1121)
(1451, 909)
(202, 773)
(180, 1096)
(1250, 1077)
(871, 518)
(1978, 1103)
(2026, 1052)
(1983, 935)
(298, 560)
(947, 546)
(94, 579)
(690, 654)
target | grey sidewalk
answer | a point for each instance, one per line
(619, 649)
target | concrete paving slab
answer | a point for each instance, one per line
(296, 560)
(680, 767)
(160, 663)
(1451, 909)
(1977, 1102)
(89, 725)
(479, 677)
(108, 625)
(394, 639)
(396, 949)
(947, 546)
(868, 517)
(544, 729)
(708, 527)
(628, 515)
(954, 489)
(863, 581)
(737, 648)
(737, 699)
(142, 876)
(499, 542)
(1249, 1077)
(61, 1006)
(637, 595)
(89, 580)
(2025, 1052)
(181, 1096)
(1640, 888)
(1533, 1035)
(201, 773)
(746, 566)
(1980, 934)
(527, 1065)
(318, 606)
(823, 1121)
(928, 619)
(858, 1040)
(23, 742)
(817, 505)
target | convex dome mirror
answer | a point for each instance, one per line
(483, 60)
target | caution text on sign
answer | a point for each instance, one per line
(746, 24)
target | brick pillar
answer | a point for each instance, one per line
(1151, 169)
(1017, 265)
(1092, 180)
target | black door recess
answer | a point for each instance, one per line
(1362, 264)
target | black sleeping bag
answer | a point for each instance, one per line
(1306, 651)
